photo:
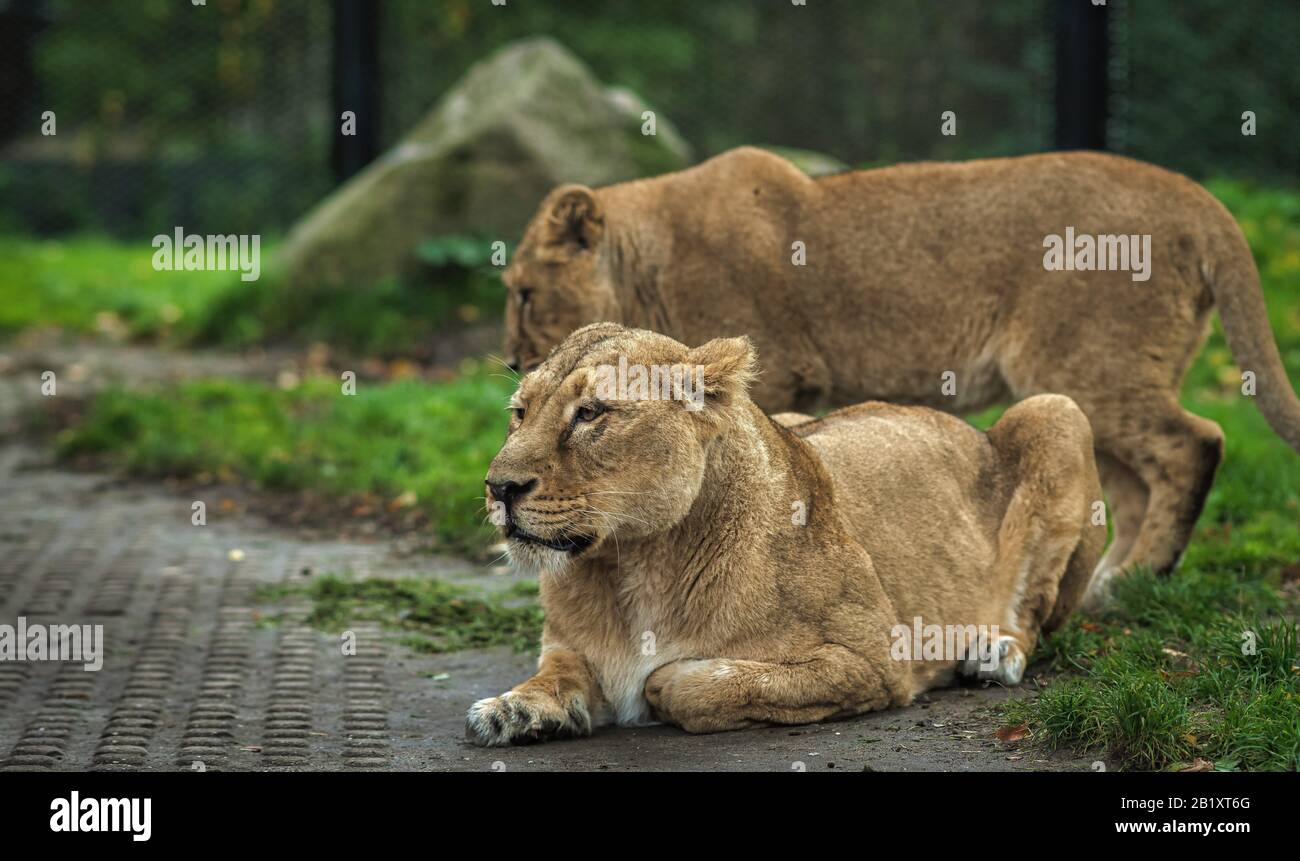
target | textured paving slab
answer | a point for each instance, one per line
(195, 678)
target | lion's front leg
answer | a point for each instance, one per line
(557, 702)
(725, 694)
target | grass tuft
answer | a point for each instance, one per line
(432, 616)
(1176, 670)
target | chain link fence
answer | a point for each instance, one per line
(220, 117)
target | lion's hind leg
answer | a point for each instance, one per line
(1047, 543)
(720, 694)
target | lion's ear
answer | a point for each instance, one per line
(728, 366)
(575, 222)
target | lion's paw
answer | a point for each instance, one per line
(515, 718)
(1100, 590)
(1010, 667)
(1011, 663)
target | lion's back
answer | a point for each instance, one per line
(899, 473)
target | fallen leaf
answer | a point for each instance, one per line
(1181, 674)
(400, 369)
(405, 500)
(1012, 734)
(1199, 765)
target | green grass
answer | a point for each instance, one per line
(101, 286)
(95, 286)
(392, 318)
(430, 615)
(1201, 665)
(431, 439)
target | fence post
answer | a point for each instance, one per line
(355, 84)
(19, 26)
(1082, 74)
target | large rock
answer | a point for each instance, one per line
(519, 123)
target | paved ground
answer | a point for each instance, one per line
(194, 674)
(196, 678)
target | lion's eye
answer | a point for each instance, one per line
(588, 412)
(525, 293)
(518, 412)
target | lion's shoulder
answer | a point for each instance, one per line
(749, 166)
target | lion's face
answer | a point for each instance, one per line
(588, 463)
(557, 280)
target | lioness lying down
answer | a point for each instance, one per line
(705, 565)
(888, 284)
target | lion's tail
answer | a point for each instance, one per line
(1234, 280)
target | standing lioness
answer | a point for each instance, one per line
(924, 274)
(708, 566)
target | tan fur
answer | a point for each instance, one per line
(916, 270)
(742, 570)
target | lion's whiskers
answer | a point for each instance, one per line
(620, 514)
(514, 375)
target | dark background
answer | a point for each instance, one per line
(224, 115)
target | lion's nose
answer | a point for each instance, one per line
(508, 491)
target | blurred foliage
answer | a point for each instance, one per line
(468, 252)
(858, 80)
(1187, 69)
(396, 317)
(96, 285)
(91, 285)
(213, 116)
(219, 117)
